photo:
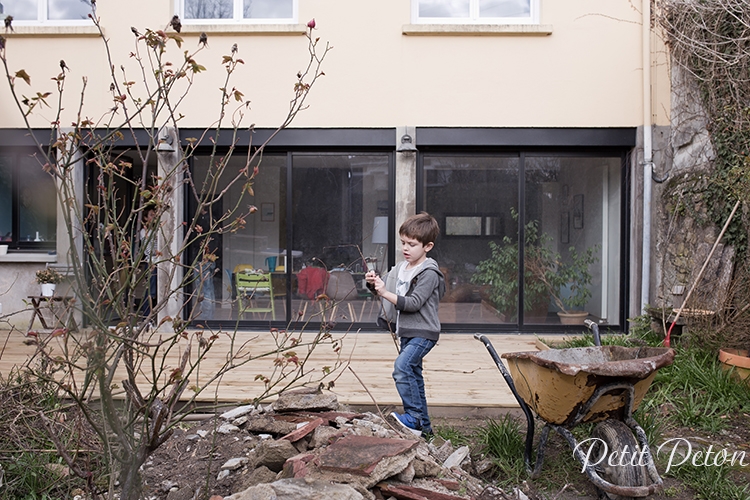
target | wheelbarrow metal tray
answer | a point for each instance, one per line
(556, 382)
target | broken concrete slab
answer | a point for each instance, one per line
(234, 463)
(298, 489)
(305, 400)
(267, 424)
(259, 476)
(237, 412)
(325, 435)
(457, 457)
(333, 416)
(273, 454)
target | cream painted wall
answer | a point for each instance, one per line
(587, 73)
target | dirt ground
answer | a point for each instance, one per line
(184, 460)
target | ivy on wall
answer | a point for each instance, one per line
(710, 41)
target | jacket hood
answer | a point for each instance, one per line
(431, 264)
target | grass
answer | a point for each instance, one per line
(652, 424)
(28, 478)
(698, 390)
(711, 483)
(502, 441)
(455, 435)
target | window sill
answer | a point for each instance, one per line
(23, 31)
(244, 29)
(27, 257)
(477, 29)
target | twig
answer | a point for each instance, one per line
(87, 476)
(372, 398)
(561, 491)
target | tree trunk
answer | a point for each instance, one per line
(130, 480)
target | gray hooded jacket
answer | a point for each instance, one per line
(419, 307)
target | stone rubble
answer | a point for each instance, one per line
(306, 447)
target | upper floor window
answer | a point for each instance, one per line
(256, 11)
(28, 202)
(475, 11)
(40, 11)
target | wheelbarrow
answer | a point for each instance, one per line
(605, 384)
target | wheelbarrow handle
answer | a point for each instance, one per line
(595, 330)
(500, 366)
(526, 410)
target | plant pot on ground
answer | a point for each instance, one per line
(737, 360)
(546, 274)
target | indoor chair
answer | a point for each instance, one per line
(249, 285)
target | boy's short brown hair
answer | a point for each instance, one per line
(422, 227)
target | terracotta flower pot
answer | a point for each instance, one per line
(572, 317)
(737, 359)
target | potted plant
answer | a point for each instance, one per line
(546, 275)
(498, 276)
(737, 360)
(48, 278)
(574, 277)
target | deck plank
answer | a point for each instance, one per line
(458, 372)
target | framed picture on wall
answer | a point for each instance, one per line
(578, 211)
(565, 227)
(463, 225)
(267, 212)
(473, 225)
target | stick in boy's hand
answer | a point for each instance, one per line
(370, 278)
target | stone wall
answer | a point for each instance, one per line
(681, 242)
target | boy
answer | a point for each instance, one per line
(411, 294)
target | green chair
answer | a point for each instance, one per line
(250, 286)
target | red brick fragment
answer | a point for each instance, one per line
(297, 466)
(361, 454)
(448, 484)
(303, 431)
(414, 493)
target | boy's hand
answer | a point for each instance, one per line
(372, 282)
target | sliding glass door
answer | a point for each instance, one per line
(340, 229)
(565, 209)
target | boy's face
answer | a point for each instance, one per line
(414, 252)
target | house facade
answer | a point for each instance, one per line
(508, 120)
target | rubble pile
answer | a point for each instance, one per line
(305, 446)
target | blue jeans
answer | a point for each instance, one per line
(407, 373)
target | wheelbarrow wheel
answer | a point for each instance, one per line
(626, 470)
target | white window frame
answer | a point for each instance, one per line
(237, 19)
(474, 18)
(42, 20)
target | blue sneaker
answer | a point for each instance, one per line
(407, 422)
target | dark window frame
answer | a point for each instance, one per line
(16, 243)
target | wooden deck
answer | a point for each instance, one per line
(460, 376)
